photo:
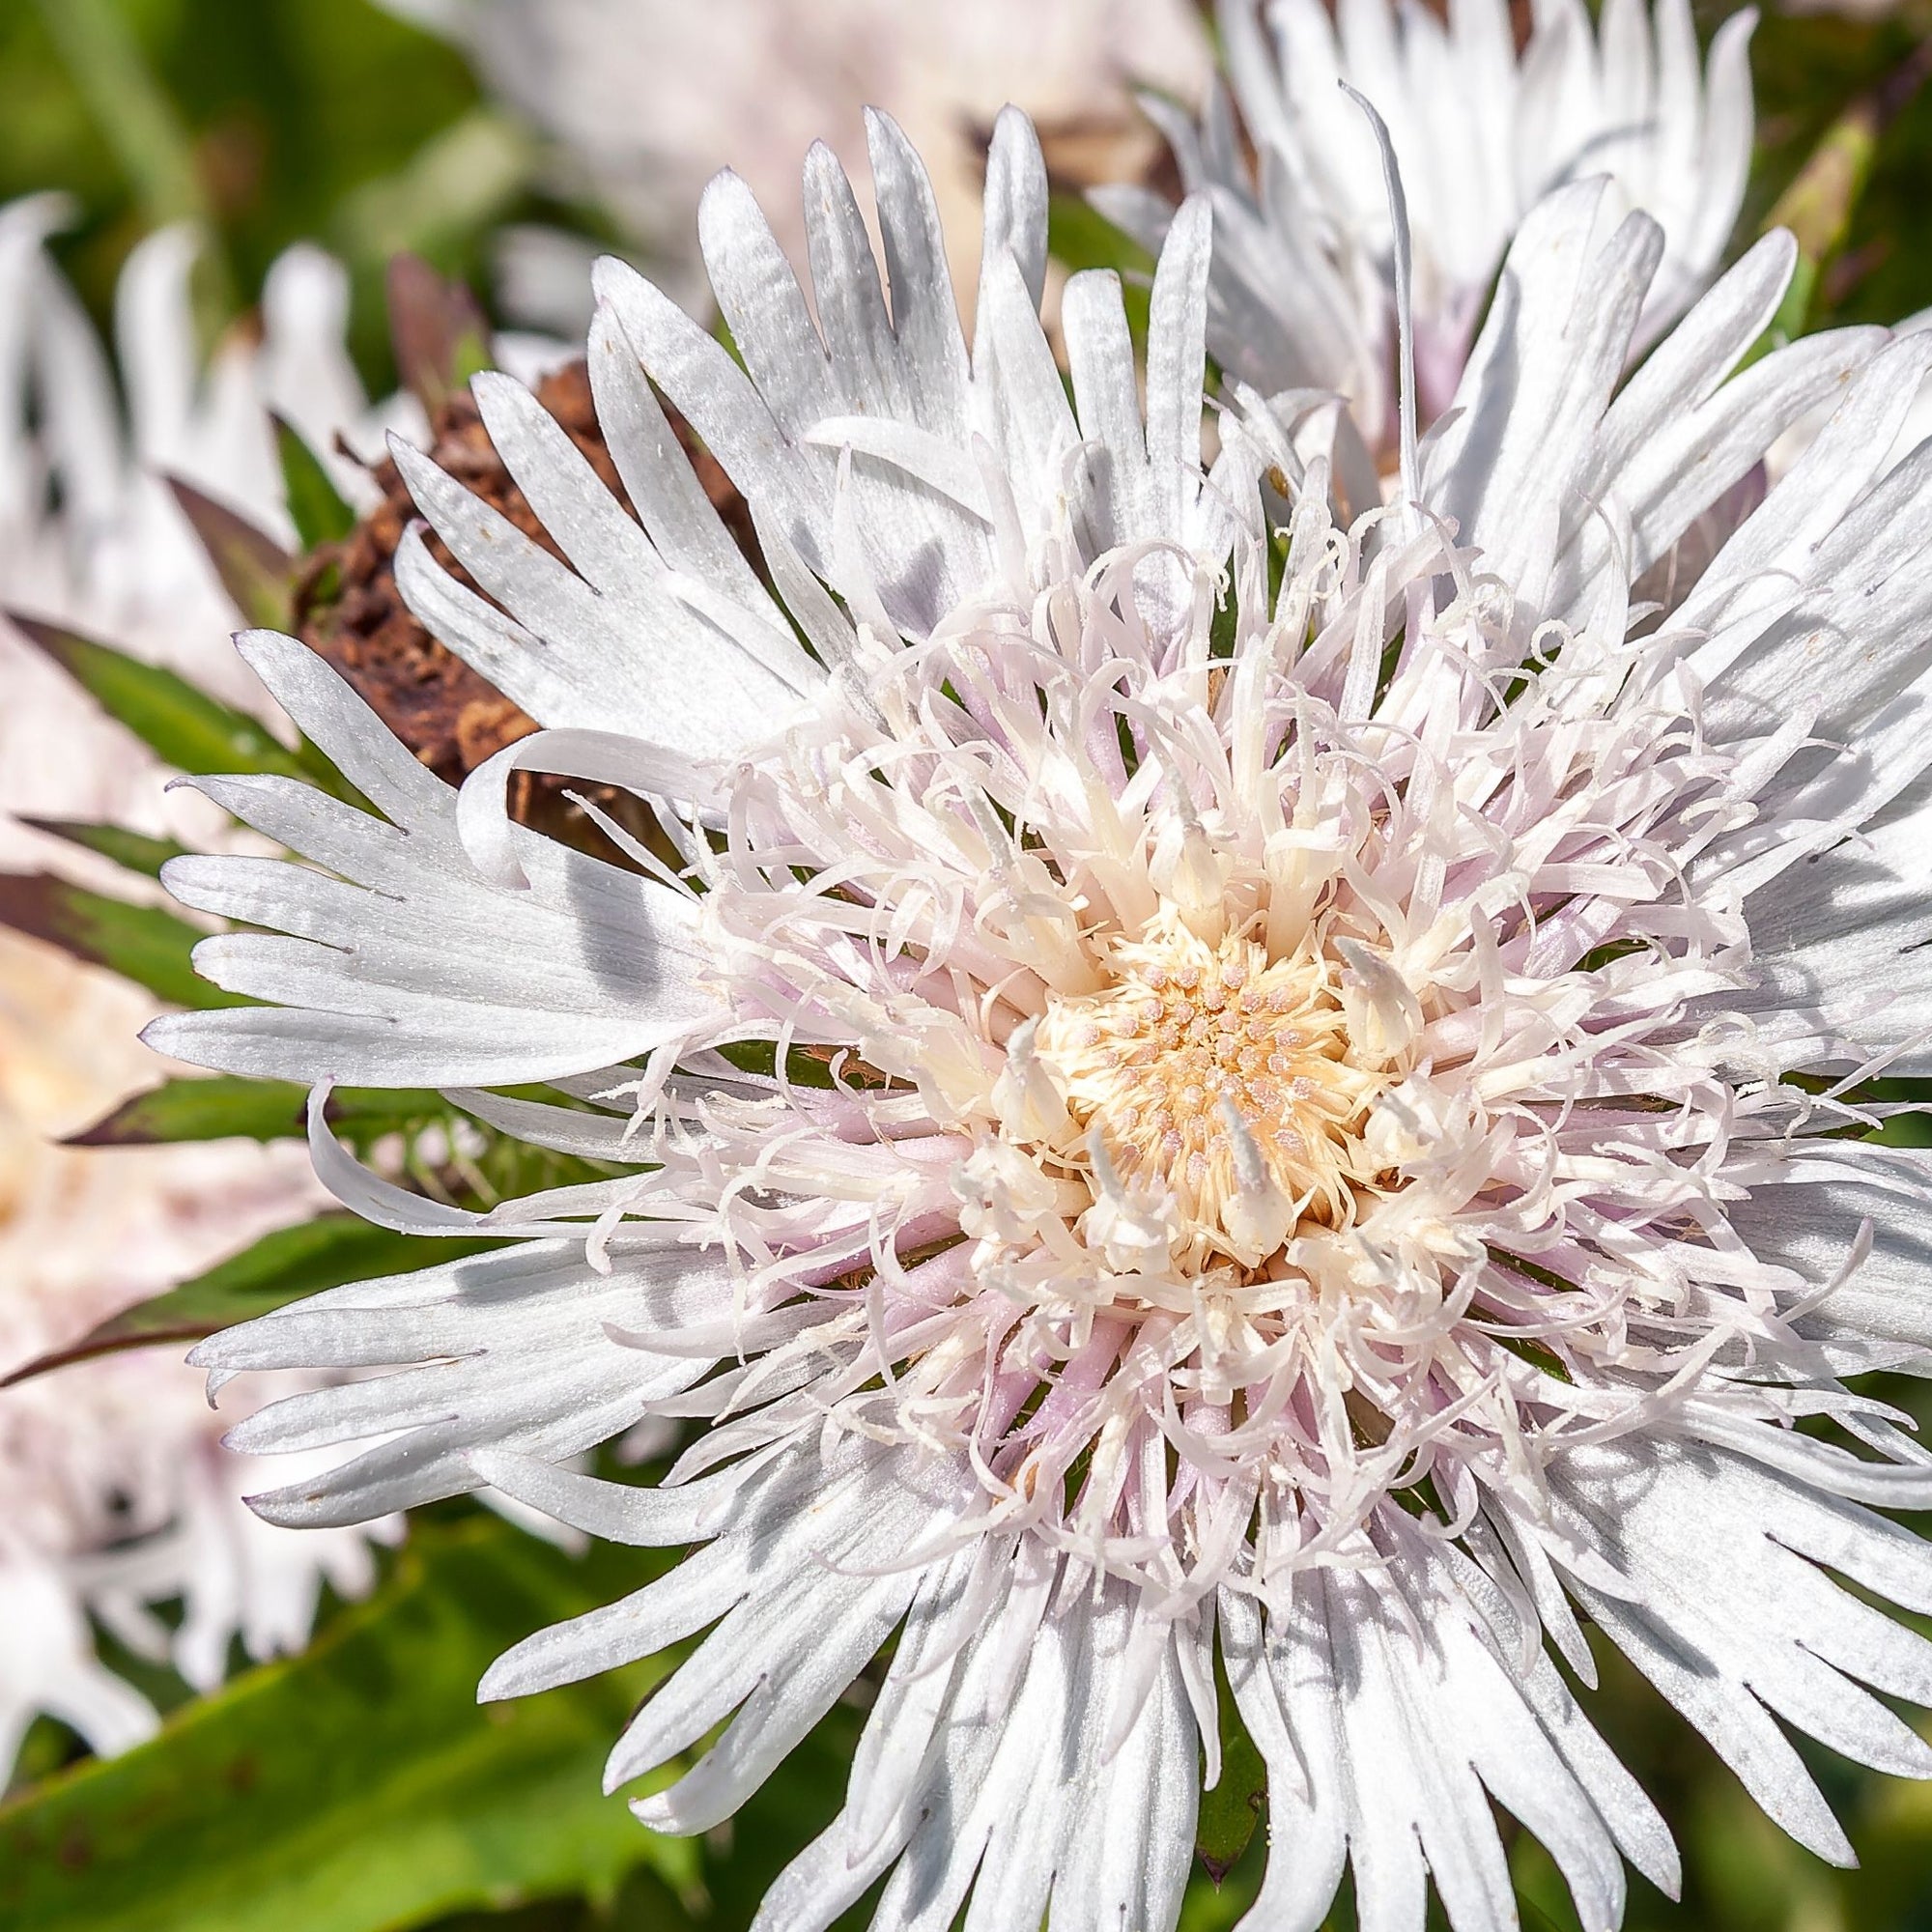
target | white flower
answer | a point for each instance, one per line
(118, 1495)
(647, 103)
(1156, 1108)
(1304, 276)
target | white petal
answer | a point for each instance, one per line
(409, 968)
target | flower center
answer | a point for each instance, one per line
(1209, 1079)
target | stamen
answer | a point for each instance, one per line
(1029, 1100)
(1261, 1216)
(1134, 1235)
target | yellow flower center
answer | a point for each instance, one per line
(1200, 1063)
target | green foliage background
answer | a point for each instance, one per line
(359, 1788)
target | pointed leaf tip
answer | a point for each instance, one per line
(180, 723)
(285, 1266)
(144, 944)
(194, 1108)
(257, 573)
(321, 513)
(441, 336)
(133, 851)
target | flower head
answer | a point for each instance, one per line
(1184, 1077)
(1303, 292)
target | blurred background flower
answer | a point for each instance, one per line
(120, 1495)
(200, 201)
(641, 105)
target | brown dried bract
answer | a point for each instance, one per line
(349, 611)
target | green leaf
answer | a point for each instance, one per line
(134, 850)
(1818, 209)
(441, 336)
(361, 1115)
(182, 727)
(234, 1107)
(280, 1267)
(440, 1143)
(180, 724)
(1230, 1813)
(358, 1787)
(316, 508)
(224, 1106)
(144, 944)
(257, 573)
(1080, 237)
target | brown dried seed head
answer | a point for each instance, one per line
(350, 613)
